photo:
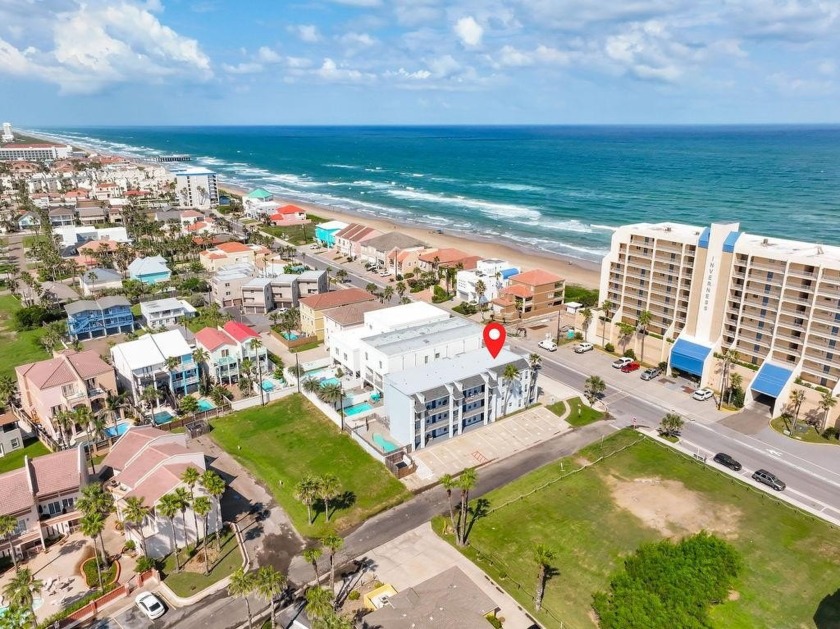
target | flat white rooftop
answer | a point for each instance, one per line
(152, 349)
(401, 316)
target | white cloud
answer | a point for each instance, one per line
(84, 47)
(365, 4)
(648, 51)
(267, 55)
(243, 68)
(827, 67)
(358, 40)
(330, 71)
(308, 33)
(513, 57)
(469, 31)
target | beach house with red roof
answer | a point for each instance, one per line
(227, 347)
(63, 383)
(312, 308)
(41, 497)
(288, 215)
(348, 241)
(148, 463)
(434, 259)
(228, 253)
(530, 294)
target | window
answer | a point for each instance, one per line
(15, 443)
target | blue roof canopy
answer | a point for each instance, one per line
(729, 243)
(689, 357)
(704, 239)
(771, 379)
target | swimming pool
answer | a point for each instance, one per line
(116, 431)
(357, 408)
(267, 385)
(163, 417)
(382, 442)
(205, 405)
(327, 381)
(291, 336)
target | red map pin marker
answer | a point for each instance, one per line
(494, 338)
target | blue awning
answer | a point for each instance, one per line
(689, 357)
(771, 379)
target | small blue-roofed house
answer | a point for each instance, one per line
(260, 194)
(149, 270)
(325, 232)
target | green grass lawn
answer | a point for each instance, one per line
(188, 582)
(810, 435)
(581, 414)
(289, 439)
(17, 347)
(14, 459)
(791, 560)
(296, 234)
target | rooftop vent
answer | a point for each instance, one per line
(765, 242)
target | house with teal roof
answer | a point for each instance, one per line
(260, 195)
(149, 270)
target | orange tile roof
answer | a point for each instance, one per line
(536, 277)
(290, 209)
(444, 255)
(518, 291)
(233, 247)
(337, 298)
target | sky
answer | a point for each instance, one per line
(184, 62)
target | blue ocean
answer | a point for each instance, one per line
(555, 189)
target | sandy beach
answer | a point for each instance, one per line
(573, 271)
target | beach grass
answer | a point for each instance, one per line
(290, 439)
(596, 516)
(579, 415)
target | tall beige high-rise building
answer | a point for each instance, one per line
(710, 289)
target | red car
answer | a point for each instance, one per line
(630, 367)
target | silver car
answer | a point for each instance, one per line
(650, 374)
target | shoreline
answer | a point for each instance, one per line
(573, 270)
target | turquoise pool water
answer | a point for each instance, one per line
(375, 397)
(163, 417)
(290, 336)
(357, 408)
(267, 385)
(116, 431)
(382, 442)
(327, 381)
(205, 405)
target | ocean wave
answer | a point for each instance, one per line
(571, 225)
(293, 180)
(606, 228)
(347, 166)
(513, 187)
(499, 210)
(373, 185)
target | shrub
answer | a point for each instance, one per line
(609, 347)
(130, 545)
(735, 397)
(831, 432)
(585, 296)
(72, 607)
(144, 563)
(663, 366)
(669, 585)
(629, 353)
(409, 275)
(578, 336)
(34, 317)
(354, 595)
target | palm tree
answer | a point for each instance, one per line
(202, 507)
(269, 585)
(586, 313)
(256, 344)
(607, 307)
(200, 356)
(306, 491)
(625, 331)
(328, 487)
(797, 396)
(150, 396)
(311, 385)
(333, 544)
(171, 364)
(333, 393)
(21, 591)
(63, 420)
(242, 585)
(92, 524)
(509, 376)
(387, 293)
(135, 513)
(8, 527)
(190, 478)
(466, 481)
(114, 403)
(827, 402)
(735, 382)
(214, 485)
(319, 603)
(8, 387)
(182, 494)
(729, 356)
(188, 405)
(168, 506)
(449, 483)
(593, 388)
(543, 555)
(645, 317)
(312, 555)
(371, 288)
(401, 288)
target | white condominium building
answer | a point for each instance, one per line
(35, 152)
(197, 188)
(710, 289)
(492, 273)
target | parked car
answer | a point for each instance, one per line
(618, 364)
(703, 394)
(315, 246)
(581, 348)
(384, 273)
(548, 344)
(150, 605)
(632, 366)
(727, 461)
(771, 480)
(651, 373)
